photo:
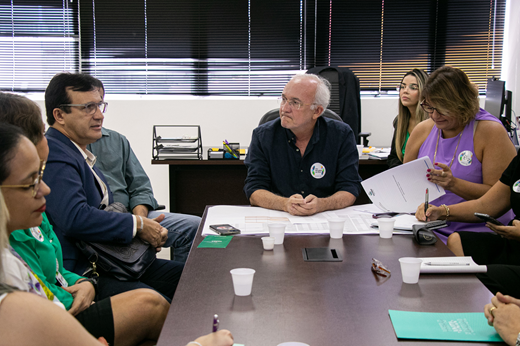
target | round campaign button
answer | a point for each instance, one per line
(318, 170)
(516, 186)
(465, 158)
(37, 233)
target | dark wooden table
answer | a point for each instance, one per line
(197, 183)
(321, 303)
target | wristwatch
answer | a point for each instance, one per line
(93, 281)
(518, 340)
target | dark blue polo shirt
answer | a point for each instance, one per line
(330, 163)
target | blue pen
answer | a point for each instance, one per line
(215, 323)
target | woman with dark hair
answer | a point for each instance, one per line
(469, 147)
(410, 113)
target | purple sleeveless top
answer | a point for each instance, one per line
(465, 166)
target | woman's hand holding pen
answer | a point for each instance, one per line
(442, 177)
(433, 213)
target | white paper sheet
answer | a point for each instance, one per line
(451, 264)
(403, 222)
(254, 220)
(402, 188)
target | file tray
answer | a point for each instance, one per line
(321, 254)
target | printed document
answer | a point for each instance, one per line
(402, 189)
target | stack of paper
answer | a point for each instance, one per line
(450, 265)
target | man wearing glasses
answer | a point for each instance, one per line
(80, 193)
(303, 163)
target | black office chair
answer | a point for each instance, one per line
(345, 97)
(275, 113)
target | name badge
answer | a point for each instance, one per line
(37, 233)
(60, 277)
(466, 158)
(516, 186)
(318, 170)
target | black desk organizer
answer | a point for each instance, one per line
(224, 154)
(174, 142)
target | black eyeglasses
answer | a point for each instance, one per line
(35, 185)
(89, 108)
(429, 109)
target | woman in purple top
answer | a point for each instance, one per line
(468, 146)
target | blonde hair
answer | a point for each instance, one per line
(450, 88)
(4, 217)
(404, 116)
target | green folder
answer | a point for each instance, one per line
(465, 326)
(215, 241)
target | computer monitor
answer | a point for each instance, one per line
(498, 103)
(495, 96)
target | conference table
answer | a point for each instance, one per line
(194, 184)
(318, 303)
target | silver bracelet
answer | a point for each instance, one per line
(194, 342)
(518, 340)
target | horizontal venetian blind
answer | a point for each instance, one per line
(37, 40)
(198, 47)
(381, 40)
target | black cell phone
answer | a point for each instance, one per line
(225, 229)
(488, 218)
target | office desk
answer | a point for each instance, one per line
(320, 303)
(197, 183)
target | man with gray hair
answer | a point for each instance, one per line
(303, 163)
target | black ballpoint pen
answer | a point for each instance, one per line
(215, 323)
(426, 197)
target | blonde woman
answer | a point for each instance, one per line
(410, 113)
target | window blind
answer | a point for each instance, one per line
(37, 40)
(243, 47)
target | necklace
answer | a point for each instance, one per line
(437, 146)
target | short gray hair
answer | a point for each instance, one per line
(322, 96)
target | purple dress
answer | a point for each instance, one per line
(465, 166)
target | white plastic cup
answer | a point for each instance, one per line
(410, 269)
(360, 149)
(277, 231)
(386, 227)
(242, 280)
(293, 343)
(336, 228)
(268, 243)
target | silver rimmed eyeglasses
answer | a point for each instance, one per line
(35, 186)
(293, 104)
(89, 108)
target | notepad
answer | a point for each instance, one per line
(450, 264)
(464, 326)
(215, 241)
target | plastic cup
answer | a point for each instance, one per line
(277, 231)
(242, 280)
(293, 343)
(360, 149)
(386, 227)
(410, 269)
(336, 228)
(268, 243)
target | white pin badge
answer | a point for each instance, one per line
(516, 186)
(37, 233)
(466, 158)
(318, 170)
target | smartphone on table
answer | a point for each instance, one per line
(487, 218)
(225, 229)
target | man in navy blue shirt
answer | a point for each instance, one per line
(303, 163)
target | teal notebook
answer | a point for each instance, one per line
(215, 241)
(465, 326)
